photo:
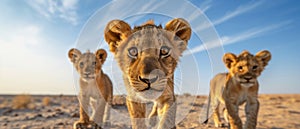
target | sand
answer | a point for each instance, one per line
(277, 111)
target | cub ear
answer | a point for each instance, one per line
(229, 59)
(101, 55)
(116, 31)
(180, 27)
(264, 56)
(74, 55)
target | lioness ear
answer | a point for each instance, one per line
(264, 56)
(74, 55)
(229, 59)
(181, 28)
(101, 55)
(116, 31)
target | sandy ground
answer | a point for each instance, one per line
(280, 111)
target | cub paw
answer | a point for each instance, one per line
(107, 124)
(220, 125)
(93, 125)
(152, 121)
(80, 125)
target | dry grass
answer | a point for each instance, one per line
(22, 101)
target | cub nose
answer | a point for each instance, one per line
(148, 80)
(248, 78)
(86, 73)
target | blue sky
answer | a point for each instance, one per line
(35, 37)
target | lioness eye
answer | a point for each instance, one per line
(81, 64)
(133, 52)
(254, 67)
(164, 51)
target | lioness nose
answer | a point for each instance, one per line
(148, 80)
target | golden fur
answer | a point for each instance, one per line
(238, 86)
(95, 88)
(148, 55)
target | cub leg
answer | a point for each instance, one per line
(252, 107)
(106, 118)
(153, 116)
(137, 112)
(167, 114)
(99, 112)
(225, 114)
(83, 120)
(216, 116)
(233, 113)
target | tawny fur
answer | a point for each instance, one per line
(95, 88)
(148, 55)
(237, 87)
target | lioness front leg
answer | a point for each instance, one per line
(252, 107)
(233, 115)
(137, 112)
(167, 114)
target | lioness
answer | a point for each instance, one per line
(95, 88)
(148, 55)
(238, 86)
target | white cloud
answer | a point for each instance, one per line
(226, 40)
(240, 10)
(50, 9)
(205, 5)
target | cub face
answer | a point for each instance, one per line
(245, 68)
(88, 64)
(148, 54)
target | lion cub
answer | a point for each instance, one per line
(95, 88)
(238, 86)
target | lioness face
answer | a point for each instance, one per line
(245, 68)
(88, 65)
(148, 56)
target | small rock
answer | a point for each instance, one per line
(58, 110)
(24, 127)
(7, 111)
(74, 115)
(60, 123)
(16, 114)
(60, 113)
(39, 115)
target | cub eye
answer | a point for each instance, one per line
(254, 67)
(240, 68)
(94, 63)
(164, 51)
(133, 52)
(81, 65)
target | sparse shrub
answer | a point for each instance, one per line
(46, 101)
(187, 94)
(119, 100)
(22, 101)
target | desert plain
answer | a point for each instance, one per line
(277, 111)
